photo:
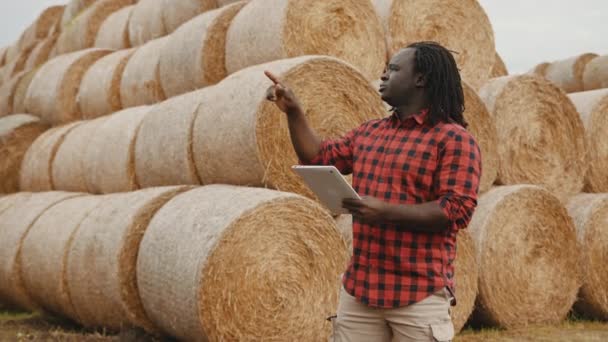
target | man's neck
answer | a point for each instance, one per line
(409, 110)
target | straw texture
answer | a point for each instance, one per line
(345, 227)
(7, 94)
(242, 139)
(3, 56)
(568, 73)
(347, 29)
(466, 274)
(499, 69)
(41, 53)
(21, 91)
(42, 26)
(146, 22)
(73, 9)
(8, 201)
(17, 64)
(234, 264)
(114, 31)
(596, 73)
(221, 3)
(541, 136)
(528, 257)
(540, 69)
(177, 12)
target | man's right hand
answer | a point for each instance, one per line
(281, 95)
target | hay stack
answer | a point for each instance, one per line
(18, 63)
(222, 3)
(12, 52)
(73, 9)
(345, 227)
(540, 69)
(194, 55)
(99, 92)
(528, 257)
(81, 33)
(177, 12)
(461, 26)
(8, 201)
(590, 214)
(140, 83)
(101, 263)
(499, 69)
(233, 263)
(36, 172)
(568, 73)
(14, 225)
(347, 29)
(110, 156)
(3, 56)
(17, 133)
(240, 138)
(52, 93)
(41, 53)
(114, 31)
(44, 253)
(42, 26)
(596, 73)
(7, 94)
(535, 147)
(146, 22)
(21, 91)
(593, 108)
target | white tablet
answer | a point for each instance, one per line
(328, 184)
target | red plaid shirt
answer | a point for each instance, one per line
(407, 162)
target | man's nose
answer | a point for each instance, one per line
(384, 77)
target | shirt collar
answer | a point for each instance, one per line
(419, 117)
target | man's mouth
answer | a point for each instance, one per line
(382, 88)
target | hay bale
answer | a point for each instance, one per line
(194, 55)
(539, 69)
(110, 156)
(177, 12)
(347, 29)
(44, 253)
(73, 9)
(534, 147)
(233, 263)
(35, 174)
(461, 26)
(81, 33)
(12, 52)
(240, 138)
(593, 109)
(8, 201)
(499, 69)
(99, 92)
(52, 93)
(14, 225)
(140, 83)
(568, 73)
(101, 263)
(41, 53)
(345, 227)
(18, 63)
(596, 73)
(114, 31)
(3, 56)
(164, 144)
(21, 91)
(222, 3)
(146, 22)
(7, 94)
(17, 133)
(527, 255)
(590, 214)
(42, 26)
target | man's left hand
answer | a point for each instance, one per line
(369, 209)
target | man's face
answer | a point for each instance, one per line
(400, 80)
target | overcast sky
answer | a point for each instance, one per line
(527, 31)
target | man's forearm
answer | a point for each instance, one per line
(427, 217)
(304, 139)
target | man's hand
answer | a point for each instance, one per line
(369, 209)
(281, 95)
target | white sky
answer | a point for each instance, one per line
(527, 31)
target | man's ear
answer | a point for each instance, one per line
(420, 81)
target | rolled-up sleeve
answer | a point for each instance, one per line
(457, 177)
(337, 152)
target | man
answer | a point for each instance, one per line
(418, 171)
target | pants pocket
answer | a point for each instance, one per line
(333, 320)
(443, 332)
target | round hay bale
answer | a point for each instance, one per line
(596, 73)
(194, 55)
(461, 26)
(345, 227)
(347, 29)
(241, 138)
(17, 133)
(593, 109)
(7, 94)
(99, 92)
(114, 31)
(8, 201)
(590, 214)
(568, 73)
(40, 54)
(233, 263)
(73, 9)
(52, 93)
(14, 225)
(44, 253)
(18, 63)
(222, 3)
(146, 22)
(81, 33)
(164, 147)
(466, 274)
(534, 147)
(12, 52)
(35, 174)
(499, 69)
(3, 56)
(110, 156)
(21, 90)
(528, 257)
(140, 84)
(177, 12)
(540, 69)
(41, 28)
(102, 258)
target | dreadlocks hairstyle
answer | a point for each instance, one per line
(443, 82)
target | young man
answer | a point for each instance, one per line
(418, 170)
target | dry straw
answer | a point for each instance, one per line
(240, 138)
(114, 31)
(568, 73)
(110, 155)
(35, 174)
(593, 108)
(499, 69)
(12, 52)
(73, 9)
(222, 3)
(99, 92)
(52, 93)
(596, 73)
(347, 29)
(541, 136)
(146, 22)
(18, 63)
(177, 12)
(14, 225)
(590, 214)
(7, 94)
(528, 257)
(194, 55)
(140, 83)
(17, 133)
(42, 26)
(102, 258)
(3, 56)
(41, 53)
(540, 69)
(234, 263)
(461, 26)
(21, 91)
(8, 201)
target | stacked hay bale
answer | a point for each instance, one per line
(41, 53)
(177, 12)
(42, 26)
(73, 9)
(21, 91)
(146, 22)
(17, 63)
(114, 31)
(567, 73)
(140, 84)
(7, 94)
(596, 73)
(499, 69)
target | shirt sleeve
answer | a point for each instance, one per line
(337, 152)
(457, 178)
